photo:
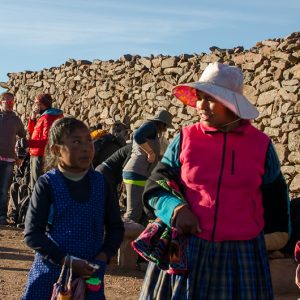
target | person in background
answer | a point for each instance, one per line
(105, 144)
(113, 166)
(112, 169)
(219, 185)
(11, 126)
(120, 131)
(38, 129)
(72, 213)
(144, 156)
(20, 187)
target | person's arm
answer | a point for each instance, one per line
(155, 195)
(156, 198)
(147, 131)
(114, 227)
(31, 125)
(165, 195)
(36, 223)
(117, 159)
(276, 203)
(112, 167)
(21, 133)
(44, 126)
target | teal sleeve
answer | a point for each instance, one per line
(171, 156)
(164, 203)
(164, 206)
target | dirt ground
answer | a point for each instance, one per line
(16, 258)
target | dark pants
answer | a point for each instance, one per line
(6, 175)
(36, 169)
(17, 194)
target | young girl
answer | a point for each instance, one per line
(72, 212)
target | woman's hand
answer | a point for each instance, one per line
(185, 221)
(149, 152)
(297, 277)
(151, 157)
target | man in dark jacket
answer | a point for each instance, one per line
(10, 127)
(112, 167)
(38, 129)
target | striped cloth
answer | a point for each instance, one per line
(221, 270)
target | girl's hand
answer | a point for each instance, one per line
(297, 277)
(81, 268)
(35, 111)
(186, 222)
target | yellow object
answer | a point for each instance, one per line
(97, 134)
(135, 182)
(66, 296)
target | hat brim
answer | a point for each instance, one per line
(236, 102)
(169, 125)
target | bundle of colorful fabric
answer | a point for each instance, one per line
(162, 245)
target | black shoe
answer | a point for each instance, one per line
(21, 225)
(3, 220)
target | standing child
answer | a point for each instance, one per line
(72, 212)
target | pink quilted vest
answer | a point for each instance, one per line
(222, 173)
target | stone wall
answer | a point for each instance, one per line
(132, 88)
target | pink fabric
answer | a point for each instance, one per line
(7, 159)
(186, 94)
(297, 252)
(240, 209)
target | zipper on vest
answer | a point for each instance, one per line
(219, 186)
(232, 161)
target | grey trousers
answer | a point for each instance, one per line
(36, 169)
(134, 201)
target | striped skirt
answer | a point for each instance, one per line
(217, 270)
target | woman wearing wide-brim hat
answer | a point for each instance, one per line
(220, 185)
(144, 156)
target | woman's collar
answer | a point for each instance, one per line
(239, 129)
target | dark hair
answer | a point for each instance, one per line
(46, 99)
(161, 127)
(96, 127)
(4, 95)
(59, 129)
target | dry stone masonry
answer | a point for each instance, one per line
(132, 88)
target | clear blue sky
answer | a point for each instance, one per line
(37, 34)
